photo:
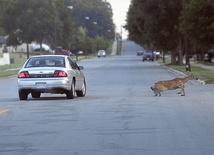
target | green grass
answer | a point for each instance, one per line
(12, 69)
(203, 74)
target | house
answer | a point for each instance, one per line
(5, 60)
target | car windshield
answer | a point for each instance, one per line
(148, 53)
(45, 62)
(100, 52)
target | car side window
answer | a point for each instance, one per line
(73, 64)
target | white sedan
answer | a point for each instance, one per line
(57, 74)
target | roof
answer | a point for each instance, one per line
(2, 40)
(48, 56)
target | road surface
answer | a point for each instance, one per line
(118, 116)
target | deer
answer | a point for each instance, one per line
(177, 83)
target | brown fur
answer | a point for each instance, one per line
(176, 83)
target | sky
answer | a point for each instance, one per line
(120, 9)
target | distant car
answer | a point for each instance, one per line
(60, 51)
(80, 53)
(56, 74)
(101, 53)
(148, 56)
(36, 47)
(209, 56)
(139, 53)
(157, 55)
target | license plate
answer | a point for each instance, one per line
(41, 85)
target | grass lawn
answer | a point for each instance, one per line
(204, 74)
(13, 68)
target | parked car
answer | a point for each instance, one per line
(139, 53)
(101, 53)
(60, 51)
(209, 56)
(36, 47)
(148, 56)
(157, 55)
(56, 74)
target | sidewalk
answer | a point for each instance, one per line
(114, 48)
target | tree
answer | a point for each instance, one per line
(154, 22)
(87, 13)
(169, 25)
(50, 21)
(31, 18)
(200, 23)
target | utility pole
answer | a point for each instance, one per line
(27, 44)
(186, 49)
(121, 32)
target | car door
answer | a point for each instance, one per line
(78, 74)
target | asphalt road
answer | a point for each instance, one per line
(118, 116)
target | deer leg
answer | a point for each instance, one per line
(182, 90)
(157, 92)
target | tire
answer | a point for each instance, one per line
(82, 92)
(23, 95)
(71, 93)
(36, 95)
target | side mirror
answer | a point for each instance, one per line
(80, 67)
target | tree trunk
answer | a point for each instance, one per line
(173, 58)
(180, 57)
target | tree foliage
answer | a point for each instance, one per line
(160, 24)
(200, 23)
(153, 22)
(52, 22)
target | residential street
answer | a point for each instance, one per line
(118, 116)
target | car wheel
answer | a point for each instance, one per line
(82, 92)
(71, 93)
(35, 95)
(212, 60)
(23, 95)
